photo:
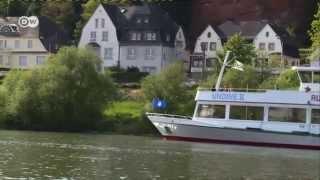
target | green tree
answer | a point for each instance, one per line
(241, 79)
(66, 94)
(288, 79)
(88, 9)
(241, 50)
(170, 86)
(61, 12)
(19, 8)
(315, 29)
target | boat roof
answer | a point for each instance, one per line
(266, 97)
(302, 68)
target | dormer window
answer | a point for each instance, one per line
(150, 36)
(135, 36)
(138, 20)
(146, 20)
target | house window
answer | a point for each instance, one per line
(105, 36)
(149, 69)
(131, 53)
(168, 38)
(133, 36)
(40, 60)
(138, 36)
(213, 46)
(3, 44)
(102, 23)
(29, 43)
(93, 36)
(179, 44)
(96, 23)
(271, 46)
(267, 34)
(150, 36)
(262, 46)
(149, 53)
(180, 35)
(108, 53)
(16, 44)
(209, 35)
(1, 60)
(23, 61)
(204, 46)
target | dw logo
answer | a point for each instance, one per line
(31, 21)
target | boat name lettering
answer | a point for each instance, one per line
(315, 98)
(228, 96)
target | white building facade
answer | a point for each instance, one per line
(134, 36)
(209, 42)
(100, 33)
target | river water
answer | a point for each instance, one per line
(37, 155)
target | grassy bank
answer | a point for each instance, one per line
(126, 117)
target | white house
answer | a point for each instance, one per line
(209, 42)
(100, 33)
(142, 36)
(268, 41)
(206, 47)
(26, 48)
(271, 40)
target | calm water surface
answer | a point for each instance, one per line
(35, 155)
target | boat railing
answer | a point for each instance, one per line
(168, 115)
(232, 89)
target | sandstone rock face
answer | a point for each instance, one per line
(292, 14)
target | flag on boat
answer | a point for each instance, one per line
(237, 65)
(159, 103)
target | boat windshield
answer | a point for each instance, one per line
(315, 116)
(316, 77)
(306, 76)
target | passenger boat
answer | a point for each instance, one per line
(279, 118)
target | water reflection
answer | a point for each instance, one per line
(34, 155)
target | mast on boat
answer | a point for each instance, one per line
(217, 87)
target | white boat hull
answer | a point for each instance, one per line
(190, 130)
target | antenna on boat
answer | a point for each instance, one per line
(222, 70)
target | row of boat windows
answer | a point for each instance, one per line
(278, 114)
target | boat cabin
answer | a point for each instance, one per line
(271, 110)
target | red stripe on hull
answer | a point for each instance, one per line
(248, 143)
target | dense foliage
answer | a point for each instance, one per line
(66, 94)
(315, 29)
(170, 86)
(241, 50)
